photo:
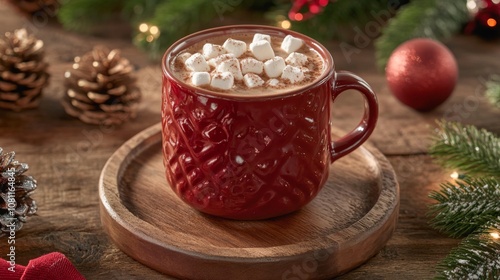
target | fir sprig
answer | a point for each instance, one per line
(423, 18)
(339, 19)
(173, 18)
(83, 15)
(493, 90)
(176, 19)
(463, 208)
(467, 148)
(477, 257)
(472, 205)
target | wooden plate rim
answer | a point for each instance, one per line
(389, 193)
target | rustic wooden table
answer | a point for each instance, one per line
(66, 156)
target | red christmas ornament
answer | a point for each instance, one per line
(300, 11)
(422, 73)
(485, 16)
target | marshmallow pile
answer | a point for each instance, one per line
(221, 66)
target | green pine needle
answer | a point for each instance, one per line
(463, 208)
(83, 15)
(477, 257)
(493, 90)
(421, 18)
(176, 19)
(472, 205)
(339, 19)
(466, 148)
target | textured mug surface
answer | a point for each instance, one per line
(259, 156)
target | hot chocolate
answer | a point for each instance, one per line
(248, 63)
(246, 114)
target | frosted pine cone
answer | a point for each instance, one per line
(15, 193)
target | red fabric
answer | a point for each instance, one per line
(53, 266)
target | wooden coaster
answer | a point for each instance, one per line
(346, 224)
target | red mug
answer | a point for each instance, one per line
(250, 157)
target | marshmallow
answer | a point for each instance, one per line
(235, 47)
(183, 57)
(224, 80)
(291, 44)
(231, 65)
(200, 78)
(251, 65)
(262, 50)
(252, 80)
(216, 61)
(296, 59)
(304, 69)
(273, 83)
(258, 37)
(197, 63)
(274, 67)
(293, 74)
(210, 51)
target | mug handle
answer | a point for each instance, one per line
(344, 81)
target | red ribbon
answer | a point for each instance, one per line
(53, 266)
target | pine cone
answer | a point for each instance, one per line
(31, 7)
(15, 191)
(23, 71)
(100, 88)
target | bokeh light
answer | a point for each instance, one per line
(143, 27)
(314, 9)
(491, 22)
(285, 24)
(495, 235)
(298, 17)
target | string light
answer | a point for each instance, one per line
(314, 9)
(298, 17)
(455, 175)
(285, 24)
(471, 5)
(154, 30)
(491, 22)
(148, 32)
(143, 27)
(305, 9)
(495, 235)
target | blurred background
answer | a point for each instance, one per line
(154, 24)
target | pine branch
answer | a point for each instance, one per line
(421, 18)
(463, 208)
(82, 15)
(337, 16)
(176, 19)
(477, 257)
(493, 90)
(467, 148)
(139, 10)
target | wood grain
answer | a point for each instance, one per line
(350, 221)
(67, 164)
